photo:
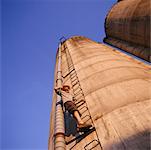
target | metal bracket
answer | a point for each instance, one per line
(62, 39)
(59, 103)
(59, 79)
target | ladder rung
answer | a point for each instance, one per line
(74, 79)
(78, 99)
(89, 119)
(86, 110)
(76, 86)
(80, 105)
(68, 73)
(78, 96)
(77, 102)
(90, 148)
(70, 65)
(79, 92)
(86, 116)
(74, 69)
(75, 83)
(73, 73)
(73, 76)
(82, 108)
(77, 89)
(70, 69)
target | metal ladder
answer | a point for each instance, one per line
(79, 98)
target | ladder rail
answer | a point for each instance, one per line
(80, 91)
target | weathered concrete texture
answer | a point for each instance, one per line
(127, 27)
(116, 89)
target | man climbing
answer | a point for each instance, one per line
(70, 106)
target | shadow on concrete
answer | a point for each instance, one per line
(70, 125)
(139, 141)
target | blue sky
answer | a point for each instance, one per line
(30, 34)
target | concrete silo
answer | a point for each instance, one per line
(127, 27)
(112, 93)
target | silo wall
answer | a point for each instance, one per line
(116, 90)
(127, 27)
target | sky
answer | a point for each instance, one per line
(30, 32)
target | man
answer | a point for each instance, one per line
(70, 106)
